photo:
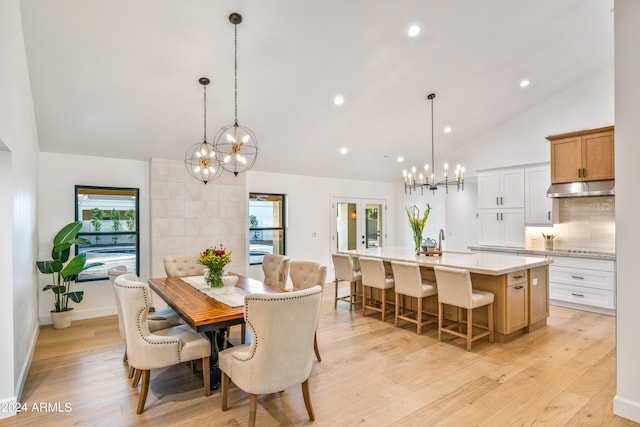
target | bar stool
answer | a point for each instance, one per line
(455, 289)
(374, 276)
(345, 272)
(409, 283)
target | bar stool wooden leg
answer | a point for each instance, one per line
(440, 318)
(335, 301)
(469, 327)
(397, 309)
(419, 315)
(490, 321)
(384, 297)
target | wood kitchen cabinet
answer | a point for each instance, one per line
(582, 156)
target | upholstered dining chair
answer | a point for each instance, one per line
(455, 288)
(409, 283)
(304, 275)
(189, 265)
(182, 265)
(165, 347)
(345, 272)
(153, 322)
(276, 270)
(281, 353)
(374, 276)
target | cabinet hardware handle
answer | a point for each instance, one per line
(579, 173)
(501, 216)
(549, 214)
(518, 287)
(497, 216)
(584, 172)
(577, 277)
(497, 202)
(518, 277)
(501, 201)
(576, 295)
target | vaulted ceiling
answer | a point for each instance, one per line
(119, 78)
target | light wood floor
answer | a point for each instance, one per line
(371, 374)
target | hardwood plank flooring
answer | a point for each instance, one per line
(371, 373)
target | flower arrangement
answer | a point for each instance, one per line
(417, 223)
(215, 259)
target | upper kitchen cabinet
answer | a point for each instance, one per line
(539, 209)
(582, 156)
(501, 188)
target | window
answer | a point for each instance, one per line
(110, 222)
(267, 226)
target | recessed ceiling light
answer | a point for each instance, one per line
(448, 129)
(524, 83)
(344, 150)
(338, 100)
(400, 159)
(414, 30)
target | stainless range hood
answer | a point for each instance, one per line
(582, 189)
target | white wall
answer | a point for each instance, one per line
(309, 211)
(59, 173)
(585, 105)
(18, 169)
(627, 90)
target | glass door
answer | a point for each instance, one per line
(357, 224)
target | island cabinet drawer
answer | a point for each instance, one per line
(516, 277)
(593, 279)
(581, 295)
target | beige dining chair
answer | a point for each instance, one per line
(409, 283)
(281, 353)
(345, 272)
(304, 275)
(148, 350)
(374, 276)
(455, 288)
(276, 270)
(182, 265)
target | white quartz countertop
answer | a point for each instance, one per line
(610, 256)
(480, 263)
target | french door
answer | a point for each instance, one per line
(357, 224)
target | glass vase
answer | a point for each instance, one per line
(417, 240)
(214, 278)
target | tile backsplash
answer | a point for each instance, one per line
(585, 223)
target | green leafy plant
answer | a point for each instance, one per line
(97, 215)
(253, 223)
(63, 270)
(130, 218)
(417, 223)
(115, 223)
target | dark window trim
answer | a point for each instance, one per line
(125, 233)
(284, 222)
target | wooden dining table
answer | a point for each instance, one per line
(204, 313)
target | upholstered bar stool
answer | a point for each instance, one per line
(374, 276)
(345, 272)
(455, 288)
(409, 283)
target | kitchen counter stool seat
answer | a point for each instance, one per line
(374, 276)
(346, 272)
(409, 283)
(455, 288)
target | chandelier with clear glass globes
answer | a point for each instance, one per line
(236, 144)
(201, 160)
(414, 180)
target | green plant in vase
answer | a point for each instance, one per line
(215, 260)
(417, 223)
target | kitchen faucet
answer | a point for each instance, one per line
(440, 239)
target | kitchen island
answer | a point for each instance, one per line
(520, 284)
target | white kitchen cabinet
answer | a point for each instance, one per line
(539, 209)
(502, 227)
(501, 188)
(585, 284)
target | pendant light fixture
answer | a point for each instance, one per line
(414, 181)
(201, 160)
(236, 144)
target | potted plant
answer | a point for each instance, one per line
(63, 271)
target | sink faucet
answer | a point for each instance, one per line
(440, 239)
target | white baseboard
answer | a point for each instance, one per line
(84, 314)
(24, 371)
(8, 408)
(626, 408)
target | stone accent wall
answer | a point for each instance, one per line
(188, 216)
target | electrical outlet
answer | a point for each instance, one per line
(534, 282)
(314, 234)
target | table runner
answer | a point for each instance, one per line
(234, 298)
